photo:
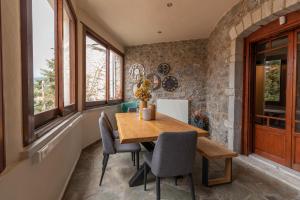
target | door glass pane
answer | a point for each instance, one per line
(43, 38)
(95, 70)
(270, 87)
(279, 42)
(115, 76)
(297, 112)
(261, 46)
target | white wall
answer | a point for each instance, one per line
(23, 179)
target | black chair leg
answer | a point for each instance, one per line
(145, 176)
(175, 179)
(137, 160)
(104, 164)
(192, 186)
(133, 158)
(157, 188)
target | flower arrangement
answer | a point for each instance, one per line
(200, 119)
(143, 92)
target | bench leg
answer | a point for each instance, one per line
(205, 165)
(217, 181)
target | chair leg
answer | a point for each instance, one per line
(145, 176)
(132, 156)
(104, 164)
(157, 188)
(192, 186)
(137, 160)
(175, 179)
(133, 153)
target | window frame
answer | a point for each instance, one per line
(36, 125)
(2, 142)
(88, 32)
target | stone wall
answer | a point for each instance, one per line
(225, 64)
(188, 64)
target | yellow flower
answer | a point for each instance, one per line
(143, 92)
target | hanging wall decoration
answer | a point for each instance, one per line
(170, 83)
(155, 81)
(163, 68)
(136, 72)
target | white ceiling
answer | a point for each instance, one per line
(136, 22)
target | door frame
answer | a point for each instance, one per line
(270, 30)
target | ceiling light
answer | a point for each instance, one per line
(170, 4)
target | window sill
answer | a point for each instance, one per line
(91, 108)
(52, 136)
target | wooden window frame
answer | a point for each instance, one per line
(2, 143)
(34, 126)
(109, 47)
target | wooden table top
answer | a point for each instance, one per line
(133, 130)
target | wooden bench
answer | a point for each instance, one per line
(211, 150)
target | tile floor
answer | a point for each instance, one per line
(248, 184)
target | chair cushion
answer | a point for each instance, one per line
(116, 134)
(122, 148)
(148, 158)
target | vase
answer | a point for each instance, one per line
(153, 111)
(143, 104)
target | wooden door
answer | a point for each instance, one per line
(273, 80)
(296, 105)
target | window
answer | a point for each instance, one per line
(103, 66)
(49, 64)
(69, 58)
(95, 71)
(43, 53)
(115, 76)
(2, 152)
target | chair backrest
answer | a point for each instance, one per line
(174, 154)
(106, 135)
(108, 121)
(131, 109)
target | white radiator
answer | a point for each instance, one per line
(178, 109)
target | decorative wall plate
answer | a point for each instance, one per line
(163, 68)
(170, 83)
(136, 72)
(155, 81)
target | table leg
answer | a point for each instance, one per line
(138, 177)
(149, 146)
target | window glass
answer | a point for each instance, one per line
(67, 70)
(95, 71)
(43, 37)
(115, 76)
(270, 88)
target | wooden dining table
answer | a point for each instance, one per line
(133, 130)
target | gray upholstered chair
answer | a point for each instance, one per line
(115, 132)
(112, 145)
(173, 156)
(116, 135)
(131, 110)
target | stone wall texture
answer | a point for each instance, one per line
(218, 73)
(187, 60)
